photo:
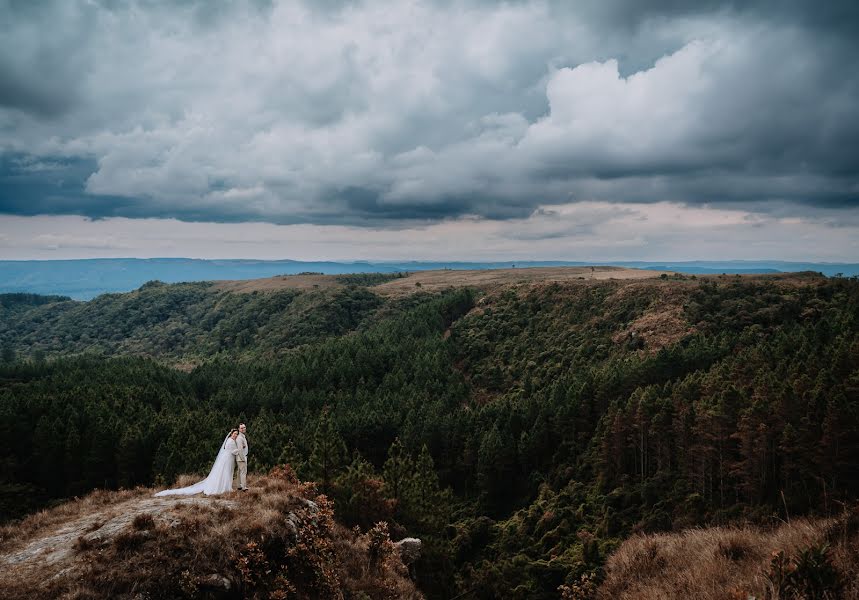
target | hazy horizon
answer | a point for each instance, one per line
(460, 260)
(84, 279)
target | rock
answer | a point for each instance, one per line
(293, 522)
(214, 582)
(410, 549)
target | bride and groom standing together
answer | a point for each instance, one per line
(233, 453)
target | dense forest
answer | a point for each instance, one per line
(523, 432)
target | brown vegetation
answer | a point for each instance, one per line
(489, 279)
(433, 281)
(663, 322)
(279, 282)
(278, 540)
(803, 559)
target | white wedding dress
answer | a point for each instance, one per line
(220, 478)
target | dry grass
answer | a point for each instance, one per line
(490, 279)
(280, 282)
(278, 538)
(434, 281)
(663, 323)
(487, 279)
(723, 563)
(660, 326)
(185, 480)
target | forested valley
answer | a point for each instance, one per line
(522, 431)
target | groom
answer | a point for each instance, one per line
(242, 457)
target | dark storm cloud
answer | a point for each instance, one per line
(28, 94)
(836, 14)
(371, 113)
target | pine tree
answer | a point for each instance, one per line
(397, 471)
(359, 495)
(72, 454)
(290, 455)
(328, 453)
(130, 459)
(8, 354)
(424, 500)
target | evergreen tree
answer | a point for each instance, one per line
(328, 452)
(72, 464)
(397, 471)
(8, 353)
(359, 495)
(290, 455)
(424, 502)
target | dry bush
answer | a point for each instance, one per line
(371, 565)
(143, 522)
(721, 563)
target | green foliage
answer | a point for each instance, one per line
(809, 575)
(329, 452)
(398, 471)
(423, 499)
(360, 496)
(19, 301)
(7, 355)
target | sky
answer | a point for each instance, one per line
(430, 130)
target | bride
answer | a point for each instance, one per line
(220, 478)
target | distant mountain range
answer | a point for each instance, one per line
(87, 278)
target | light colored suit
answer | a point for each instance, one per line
(242, 460)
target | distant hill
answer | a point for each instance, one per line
(748, 266)
(187, 322)
(710, 271)
(85, 279)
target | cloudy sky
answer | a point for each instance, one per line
(586, 130)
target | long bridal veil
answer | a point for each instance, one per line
(219, 480)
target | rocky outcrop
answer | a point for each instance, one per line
(54, 552)
(409, 549)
